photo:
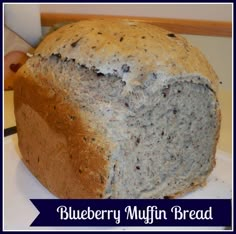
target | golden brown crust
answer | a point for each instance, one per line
(57, 145)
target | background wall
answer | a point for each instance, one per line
(221, 12)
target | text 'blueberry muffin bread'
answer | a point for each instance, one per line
(117, 109)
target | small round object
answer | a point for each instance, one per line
(12, 62)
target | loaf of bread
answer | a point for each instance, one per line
(117, 109)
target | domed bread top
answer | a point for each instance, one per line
(127, 49)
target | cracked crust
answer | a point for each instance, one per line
(127, 49)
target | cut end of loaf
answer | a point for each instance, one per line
(163, 133)
(172, 142)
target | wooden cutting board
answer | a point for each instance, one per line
(15, 49)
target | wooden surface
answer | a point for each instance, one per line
(183, 26)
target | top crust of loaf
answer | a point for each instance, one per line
(127, 49)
